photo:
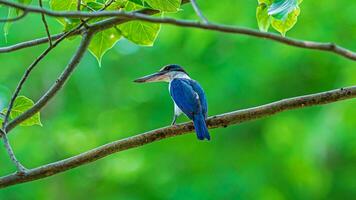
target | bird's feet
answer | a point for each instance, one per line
(174, 120)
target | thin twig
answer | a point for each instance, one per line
(222, 120)
(19, 167)
(30, 43)
(22, 15)
(104, 24)
(198, 11)
(37, 60)
(55, 87)
(45, 24)
(29, 70)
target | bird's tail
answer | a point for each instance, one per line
(200, 127)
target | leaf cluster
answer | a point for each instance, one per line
(281, 14)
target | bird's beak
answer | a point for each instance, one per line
(159, 76)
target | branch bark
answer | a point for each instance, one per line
(222, 120)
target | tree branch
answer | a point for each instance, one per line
(330, 47)
(222, 120)
(29, 70)
(56, 86)
(120, 16)
(20, 168)
(45, 24)
(30, 43)
(43, 40)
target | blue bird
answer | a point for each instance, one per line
(188, 96)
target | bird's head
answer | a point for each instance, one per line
(165, 74)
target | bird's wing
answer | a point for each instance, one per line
(198, 89)
(186, 98)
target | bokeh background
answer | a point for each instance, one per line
(302, 154)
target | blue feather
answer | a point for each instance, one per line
(200, 127)
(190, 98)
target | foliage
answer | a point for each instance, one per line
(22, 104)
(141, 33)
(103, 41)
(281, 14)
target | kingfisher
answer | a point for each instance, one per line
(187, 94)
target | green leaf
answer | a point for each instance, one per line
(141, 33)
(283, 26)
(263, 19)
(103, 41)
(165, 5)
(280, 9)
(67, 5)
(60, 5)
(22, 104)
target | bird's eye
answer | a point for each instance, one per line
(166, 68)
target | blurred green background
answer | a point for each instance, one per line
(302, 154)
